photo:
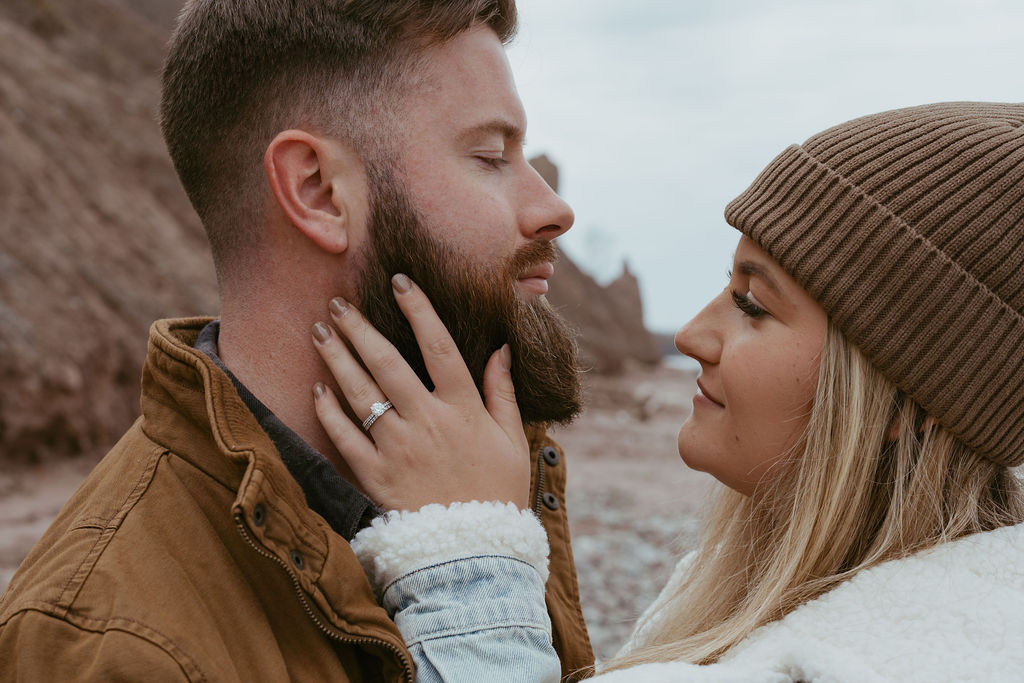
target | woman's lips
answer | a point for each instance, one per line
(703, 395)
(535, 278)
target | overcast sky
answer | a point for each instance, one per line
(658, 112)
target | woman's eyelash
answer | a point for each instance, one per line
(747, 306)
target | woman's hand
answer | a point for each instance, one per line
(432, 447)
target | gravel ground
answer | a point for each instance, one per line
(632, 503)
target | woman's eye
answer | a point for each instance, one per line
(746, 304)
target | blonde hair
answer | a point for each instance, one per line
(849, 496)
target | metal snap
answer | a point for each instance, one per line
(297, 560)
(550, 501)
(259, 514)
(550, 455)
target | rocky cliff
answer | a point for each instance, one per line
(97, 239)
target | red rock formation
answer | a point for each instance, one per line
(96, 238)
(609, 320)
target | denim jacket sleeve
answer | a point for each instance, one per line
(465, 586)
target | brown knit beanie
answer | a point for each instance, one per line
(908, 227)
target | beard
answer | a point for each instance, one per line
(479, 304)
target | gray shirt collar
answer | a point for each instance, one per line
(333, 498)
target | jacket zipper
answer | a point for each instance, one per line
(330, 632)
(538, 498)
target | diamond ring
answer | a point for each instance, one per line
(376, 410)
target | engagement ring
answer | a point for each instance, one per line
(376, 410)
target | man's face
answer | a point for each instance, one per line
(459, 153)
(461, 211)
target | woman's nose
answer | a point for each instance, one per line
(700, 338)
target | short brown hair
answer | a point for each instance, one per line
(240, 71)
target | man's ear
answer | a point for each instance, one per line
(319, 184)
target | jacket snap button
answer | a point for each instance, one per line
(297, 560)
(550, 455)
(550, 501)
(259, 514)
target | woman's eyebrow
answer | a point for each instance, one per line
(752, 269)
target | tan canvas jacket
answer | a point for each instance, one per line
(190, 554)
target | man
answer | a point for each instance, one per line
(325, 145)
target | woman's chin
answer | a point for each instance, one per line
(701, 460)
(690, 455)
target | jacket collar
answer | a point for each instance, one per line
(343, 506)
(191, 407)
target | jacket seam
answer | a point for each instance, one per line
(126, 625)
(96, 522)
(69, 592)
(491, 626)
(172, 454)
(488, 556)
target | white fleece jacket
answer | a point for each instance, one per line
(952, 613)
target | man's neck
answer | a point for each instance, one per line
(277, 362)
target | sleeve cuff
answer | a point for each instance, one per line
(398, 543)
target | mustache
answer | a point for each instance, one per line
(529, 255)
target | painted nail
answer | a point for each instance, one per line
(338, 306)
(506, 357)
(401, 283)
(319, 390)
(321, 332)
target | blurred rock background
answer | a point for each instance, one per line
(96, 237)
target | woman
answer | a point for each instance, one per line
(861, 398)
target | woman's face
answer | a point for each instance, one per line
(759, 346)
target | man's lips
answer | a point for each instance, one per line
(702, 393)
(535, 278)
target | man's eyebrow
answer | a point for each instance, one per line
(752, 269)
(506, 129)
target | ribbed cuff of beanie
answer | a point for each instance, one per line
(398, 543)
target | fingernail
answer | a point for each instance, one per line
(319, 390)
(321, 333)
(338, 306)
(401, 283)
(506, 357)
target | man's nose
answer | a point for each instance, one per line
(544, 215)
